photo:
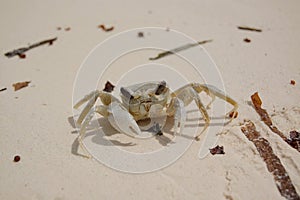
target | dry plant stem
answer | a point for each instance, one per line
(281, 177)
(3, 89)
(20, 52)
(246, 28)
(104, 28)
(266, 118)
(181, 48)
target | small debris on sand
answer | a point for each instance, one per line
(109, 87)
(17, 158)
(294, 140)
(20, 85)
(247, 40)
(293, 82)
(217, 150)
(140, 34)
(104, 28)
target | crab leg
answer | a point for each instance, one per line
(212, 91)
(82, 132)
(102, 110)
(92, 98)
(187, 94)
(86, 110)
(86, 98)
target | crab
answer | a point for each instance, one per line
(148, 100)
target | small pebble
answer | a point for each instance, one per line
(140, 34)
(17, 158)
(247, 40)
(293, 82)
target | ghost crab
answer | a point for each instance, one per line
(146, 101)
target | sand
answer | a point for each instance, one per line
(36, 121)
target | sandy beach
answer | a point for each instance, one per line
(36, 122)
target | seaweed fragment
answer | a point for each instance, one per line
(181, 48)
(21, 51)
(274, 165)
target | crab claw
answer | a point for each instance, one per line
(122, 120)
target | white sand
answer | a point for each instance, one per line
(34, 121)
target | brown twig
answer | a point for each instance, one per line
(104, 28)
(246, 28)
(181, 48)
(3, 89)
(280, 175)
(21, 51)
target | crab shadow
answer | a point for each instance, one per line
(107, 130)
(93, 131)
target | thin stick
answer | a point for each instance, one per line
(3, 89)
(20, 52)
(181, 48)
(246, 28)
